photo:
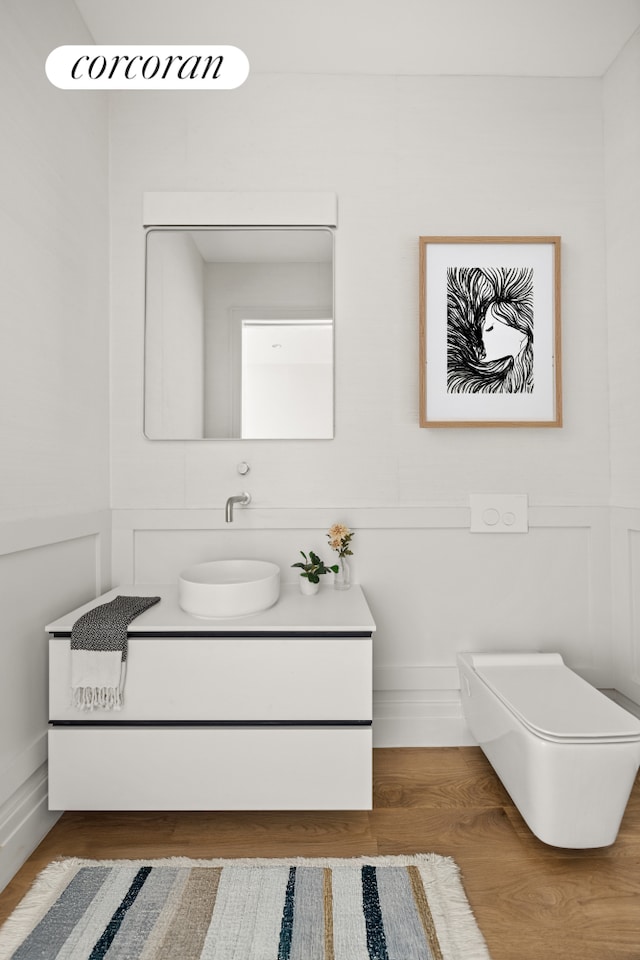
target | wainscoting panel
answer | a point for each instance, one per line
(433, 587)
(47, 566)
(625, 566)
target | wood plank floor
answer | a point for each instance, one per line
(531, 901)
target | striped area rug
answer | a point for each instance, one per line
(380, 908)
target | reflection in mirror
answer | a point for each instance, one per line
(239, 333)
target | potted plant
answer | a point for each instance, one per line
(312, 569)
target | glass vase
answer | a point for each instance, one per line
(342, 579)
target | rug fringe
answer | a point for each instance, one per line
(458, 933)
(399, 860)
(33, 906)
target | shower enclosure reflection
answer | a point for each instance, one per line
(239, 333)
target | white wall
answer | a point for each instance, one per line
(622, 140)
(406, 156)
(622, 143)
(54, 476)
(174, 316)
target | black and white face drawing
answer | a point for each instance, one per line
(490, 330)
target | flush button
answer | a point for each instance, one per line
(499, 513)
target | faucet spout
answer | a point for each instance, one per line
(242, 498)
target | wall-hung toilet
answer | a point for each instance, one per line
(566, 753)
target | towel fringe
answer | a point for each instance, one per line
(97, 698)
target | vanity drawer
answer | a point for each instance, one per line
(210, 768)
(203, 679)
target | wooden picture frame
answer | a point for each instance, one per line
(490, 332)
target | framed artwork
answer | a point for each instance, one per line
(490, 332)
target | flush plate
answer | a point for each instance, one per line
(499, 513)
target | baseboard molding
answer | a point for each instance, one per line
(421, 732)
(629, 705)
(419, 718)
(24, 822)
(434, 717)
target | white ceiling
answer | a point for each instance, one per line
(559, 38)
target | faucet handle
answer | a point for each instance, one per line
(241, 498)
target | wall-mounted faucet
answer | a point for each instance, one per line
(242, 498)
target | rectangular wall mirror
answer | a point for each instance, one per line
(239, 333)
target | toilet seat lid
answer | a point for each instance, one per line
(554, 702)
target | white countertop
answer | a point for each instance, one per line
(328, 611)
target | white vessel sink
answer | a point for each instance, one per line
(228, 588)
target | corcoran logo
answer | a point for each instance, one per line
(115, 67)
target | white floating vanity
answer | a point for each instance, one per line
(267, 712)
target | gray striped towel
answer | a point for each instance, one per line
(99, 652)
